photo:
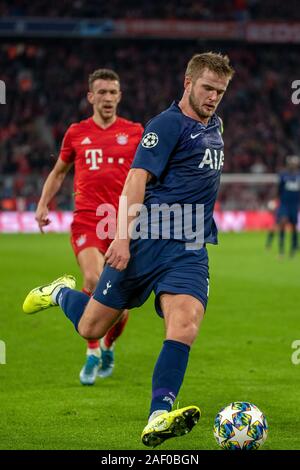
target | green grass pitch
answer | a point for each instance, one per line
(243, 352)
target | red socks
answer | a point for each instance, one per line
(115, 331)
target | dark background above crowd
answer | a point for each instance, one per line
(209, 10)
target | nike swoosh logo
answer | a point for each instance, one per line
(193, 136)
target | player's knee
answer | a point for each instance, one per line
(90, 331)
(183, 335)
(184, 327)
(85, 330)
(90, 280)
(189, 332)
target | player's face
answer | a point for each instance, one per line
(206, 93)
(105, 97)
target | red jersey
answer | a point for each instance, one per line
(102, 159)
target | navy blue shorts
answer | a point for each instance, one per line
(162, 266)
(287, 212)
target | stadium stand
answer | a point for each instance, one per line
(213, 10)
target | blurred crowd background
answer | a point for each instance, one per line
(213, 10)
(46, 83)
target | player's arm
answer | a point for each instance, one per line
(56, 178)
(50, 188)
(150, 161)
(118, 254)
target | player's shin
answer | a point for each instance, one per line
(168, 375)
(270, 238)
(281, 241)
(116, 330)
(294, 241)
(88, 372)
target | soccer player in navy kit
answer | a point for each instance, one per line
(289, 203)
(178, 162)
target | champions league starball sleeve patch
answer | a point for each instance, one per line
(150, 140)
(160, 138)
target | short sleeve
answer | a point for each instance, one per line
(158, 142)
(67, 151)
(140, 130)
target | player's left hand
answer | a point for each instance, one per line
(118, 254)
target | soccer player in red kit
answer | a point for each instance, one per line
(101, 148)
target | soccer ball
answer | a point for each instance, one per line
(240, 426)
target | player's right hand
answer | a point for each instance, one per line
(118, 254)
(41, 216)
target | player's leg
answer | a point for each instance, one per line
(91, 263)
(90, 318)
(89, 315)
(271, 235)
(183, 315)
(294, 239)
(99, 361)
(270, 238)
(273, 230)
(107, 344)
(282, 228)
(96, 319)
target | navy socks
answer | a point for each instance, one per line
(168, 374)
(73, 303)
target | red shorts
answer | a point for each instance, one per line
(84, 234)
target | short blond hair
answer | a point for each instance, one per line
(215, 62)
(102, 74)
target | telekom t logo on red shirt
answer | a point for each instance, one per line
(94, 157)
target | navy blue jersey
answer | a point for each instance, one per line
(289, 189)
(186, 158)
